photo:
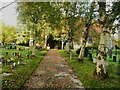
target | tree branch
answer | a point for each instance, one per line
(7, 5)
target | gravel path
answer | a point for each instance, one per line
(53, 72)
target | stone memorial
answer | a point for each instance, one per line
(18, 62)
(114, 58)
(14, 64)
(6, 53)
(10, 47)
(90, 57)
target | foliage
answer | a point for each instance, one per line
(8, 34)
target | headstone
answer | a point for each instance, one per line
(114, 58)
(15, 54)
(15, 47)
(19, 49)
(86, 52)
(110, 53)
(28, 56)
(90, 57)
(10, 47)
(18, 63)
(6, 53)
(14, 64)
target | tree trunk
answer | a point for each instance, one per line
(33, 48)
(62, 45)
(101, 63)
(45, 43)
(83, 44)
(82, 49)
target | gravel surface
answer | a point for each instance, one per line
(53, 72)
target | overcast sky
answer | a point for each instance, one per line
(8, 14)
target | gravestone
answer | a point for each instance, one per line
(14, 64)
(15, 54)
(28, 56)
(86, 52)
(10, 47)
(114, 58)
(15, 47)
(90, 57)
(110, 53)
(19, 49)
(6, 53)
(18, 62)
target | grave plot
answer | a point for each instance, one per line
(17, 67)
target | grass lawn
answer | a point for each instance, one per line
(22, 72)
(85, 72)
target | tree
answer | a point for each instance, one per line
(106, 20)
(8, 34)
(87, 22)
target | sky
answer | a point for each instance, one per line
(9, 14)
